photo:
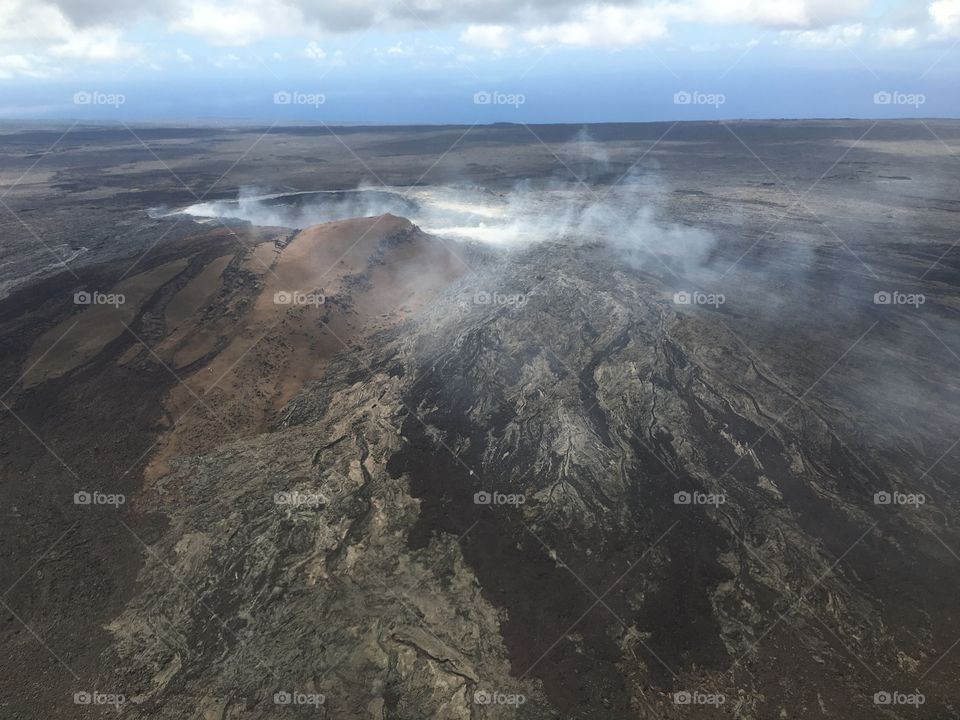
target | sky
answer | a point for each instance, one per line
(477, 61)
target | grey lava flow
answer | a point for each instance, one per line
(560, 434)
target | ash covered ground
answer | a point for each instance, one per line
(652, 421)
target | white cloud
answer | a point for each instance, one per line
(415, 51)
(315, 52)
(603, 25)
(96, 44)
(34, 36)
(837, 36)
(486, 37)
(488, 24)
(25, 65)
(946, 16)
(784, 14)
(96, 30)
(897, 37)
(41, 23)
(812, 22)
(400, 50)
(238, 23)
(227, 61)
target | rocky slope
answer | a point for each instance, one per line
(549, 492)
(299, 480)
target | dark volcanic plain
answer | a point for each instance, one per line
(559, 369)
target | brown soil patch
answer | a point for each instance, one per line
(196, 292)
(260, 260)
(254, 356)
(77, 339)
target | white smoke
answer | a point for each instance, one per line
(576, 206)
(526, 214)
(298, 209)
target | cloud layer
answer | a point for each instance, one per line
(38, 35)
